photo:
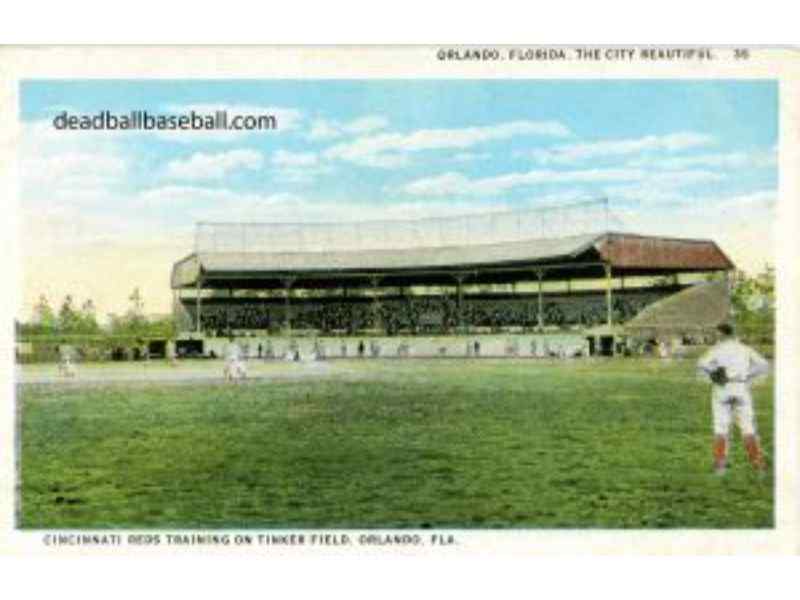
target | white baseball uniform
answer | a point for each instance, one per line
(234, 367)
(733, 400)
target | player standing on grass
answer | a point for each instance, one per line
(731, 366)
(234, 367)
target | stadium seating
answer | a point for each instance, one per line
(420, 314)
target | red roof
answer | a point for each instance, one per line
(636, 251)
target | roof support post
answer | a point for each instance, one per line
(540, 301)
(228, 312)
(346, 295)
(175, 311)
(199, 303)
(460, 277)
(288, 282)
(376, 302)
(609, 299)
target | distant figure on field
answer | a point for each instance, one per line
(731, 366)
(66, 368)
(374, 349)
(361, 349)
(170, 352)
(235, 367)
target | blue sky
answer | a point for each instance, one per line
(674, 157)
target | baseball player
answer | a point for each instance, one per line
(731, 366)
(65, 366)
(234, 366)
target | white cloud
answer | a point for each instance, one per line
(176, 195)
(453, 183)
(73, 169)
(325, 129)
(391, 149)
(459, 184)
(201, 166)
(728, 160)
(298, 167)
(284, 158)
(366, 124)
(470, 156)
(77, 166)
(573, 153)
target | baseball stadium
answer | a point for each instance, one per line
(403, 284)
(521, 369)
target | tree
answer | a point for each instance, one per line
(88, 317)
(753, 300)
(134, 321)
(69, 319)
(43, 316)
(137, 304)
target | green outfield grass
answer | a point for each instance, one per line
(437, 443)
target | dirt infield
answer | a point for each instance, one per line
(186, 371)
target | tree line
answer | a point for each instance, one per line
(72, 318)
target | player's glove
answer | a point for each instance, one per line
(719, 376)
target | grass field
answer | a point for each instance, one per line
(397, 444)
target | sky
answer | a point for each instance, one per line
(102, 212)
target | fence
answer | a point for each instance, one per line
(591, 216)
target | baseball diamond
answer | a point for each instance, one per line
(306, 387)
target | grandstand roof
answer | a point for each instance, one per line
(574, 257)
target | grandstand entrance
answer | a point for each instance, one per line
(606, 345)
(189, 348)
(157, 348)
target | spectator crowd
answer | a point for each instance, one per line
(418, 314)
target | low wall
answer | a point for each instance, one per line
(533, 345)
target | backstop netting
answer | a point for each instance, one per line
(590, 216)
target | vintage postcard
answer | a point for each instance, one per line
(409, 300)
